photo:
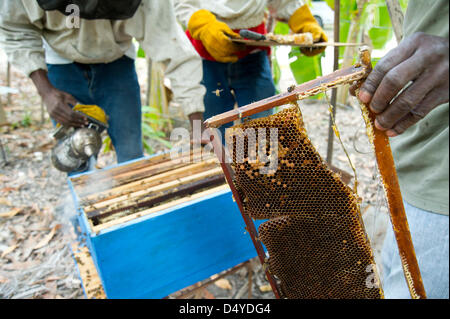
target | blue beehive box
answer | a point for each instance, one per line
(163, 249)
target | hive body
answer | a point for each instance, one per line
(315, 236)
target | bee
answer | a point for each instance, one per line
(217, 92)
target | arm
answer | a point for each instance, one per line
(57, 101)
(284, 9)
(204, 26)
(300, 20)
(22, 41)
(163, 40)
(184, 9)
(20, 38)
(420, 61)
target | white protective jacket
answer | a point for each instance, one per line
(238, 14)
(24, 26)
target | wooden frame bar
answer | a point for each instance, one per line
(383, 154)
(313, 87)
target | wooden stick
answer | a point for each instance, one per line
(149, 171)
(383, 154)
(314, 45)
(148, 182)
(122, 220)
(388, 173)
(250, 226)
(80, 180)
(127, 169)
(396, 15)
(313, 87)
(156, 198)
(130, 174)
(158, 188)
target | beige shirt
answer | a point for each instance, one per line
(238, 14)
(24, 25)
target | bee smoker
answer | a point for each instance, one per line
(75, 146)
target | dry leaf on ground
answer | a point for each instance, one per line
(223, 283)
(47, 238)
(8, 250)
(4, 201)
(207, 294)
(13, 212)
(265, 288)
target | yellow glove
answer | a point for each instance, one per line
(204, 26)
(303, 21)
(93, 111)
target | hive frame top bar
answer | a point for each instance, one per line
(348, 75)
(270, 43)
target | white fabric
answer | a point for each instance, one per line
(23, 25)
(238, 14)
(51, 57)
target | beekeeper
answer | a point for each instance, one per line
(82, 51)
(408, 90)
(232, 74)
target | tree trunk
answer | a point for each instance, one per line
(396, 15)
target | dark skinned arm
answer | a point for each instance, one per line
(198, 116)
(420, 61)
(57, 102)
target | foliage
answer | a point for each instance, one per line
(151, 124)
(26, 121)
(303, 68)
(375, 23)
(152, 121)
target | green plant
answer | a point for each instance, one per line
(26, 120)
(303, 68)
(152, 124)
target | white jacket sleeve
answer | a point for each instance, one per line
(232, 9)
(284, 9)
(184, 9)
(20, 38)
(163, 40)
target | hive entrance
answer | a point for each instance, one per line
(315, 236)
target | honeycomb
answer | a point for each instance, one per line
(315, 237)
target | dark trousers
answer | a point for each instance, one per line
(115, 88)
(250, 79)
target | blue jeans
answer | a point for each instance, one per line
(115, 88)
(429, 232)
(250, 79)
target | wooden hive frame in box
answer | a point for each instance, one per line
(237, 176)
(154, 226)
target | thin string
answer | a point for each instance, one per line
(338, 135)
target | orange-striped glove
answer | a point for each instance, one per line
(303, 21)
(214, 35)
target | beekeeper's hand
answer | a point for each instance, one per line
(303, 21)
(214, 35)
(59, 104)
(420, 60)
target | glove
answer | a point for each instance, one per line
(93, 111)
(303, 21)
(204, 26)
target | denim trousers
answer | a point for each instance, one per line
(244, 82)
(115, 88)
(429, 232)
